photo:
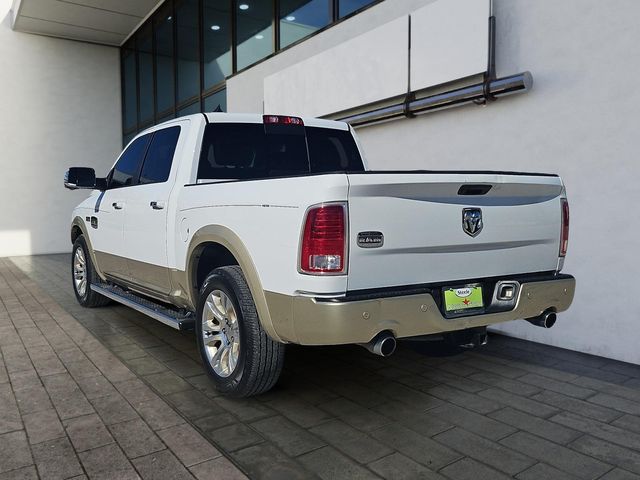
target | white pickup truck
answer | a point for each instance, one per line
(262, 230)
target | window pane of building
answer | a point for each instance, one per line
(254, 38)
(350, 6)
(189, 110)
(299, 18)
(217, 41)
(129, 83)
(127, 138)
(165, 94)
(144, 45)
(188, 53)
(165, 118)
(216, 102)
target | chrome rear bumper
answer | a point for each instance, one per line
(316, 321)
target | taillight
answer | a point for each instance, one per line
(324, 240)
(564, 232)
(282, 120)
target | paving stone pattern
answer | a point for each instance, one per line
(110, 393)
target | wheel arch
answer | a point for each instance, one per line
(78, 227)
(218, 246)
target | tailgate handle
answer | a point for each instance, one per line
(471, 189)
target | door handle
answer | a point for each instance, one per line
(117, 205)
(157, 205)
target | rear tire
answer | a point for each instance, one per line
(83, 275)
(239, 356)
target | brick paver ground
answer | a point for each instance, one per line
(70, 408)
(109, 393)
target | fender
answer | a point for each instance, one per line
(79, 222)
(228, 239)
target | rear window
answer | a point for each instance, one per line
(253, 151)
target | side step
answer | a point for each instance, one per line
(173, 318)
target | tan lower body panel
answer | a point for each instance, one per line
(154, 281)
(110, 264)
(306, 321)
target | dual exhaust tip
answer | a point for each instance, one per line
(384, 344)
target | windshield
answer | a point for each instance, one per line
(253, 151)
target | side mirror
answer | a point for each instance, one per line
(82, 178)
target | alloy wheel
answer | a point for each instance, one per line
(221, 333)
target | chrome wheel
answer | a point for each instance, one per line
(80, 272)
(221, 333)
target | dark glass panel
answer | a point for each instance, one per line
(332, 150)
(127, 138)
(216, 102)
(299, 18)
(245, 150)
(166, 117)
(254, 37)
(254, 150)
(188, 53)
(216, 28)
(129, 162)
(165, 93)
(129, 85)
(189, 110)
(144, 45)
(157, 163)
(349, 6)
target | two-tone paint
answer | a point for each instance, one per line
(156, 251)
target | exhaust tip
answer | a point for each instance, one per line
(550, 319)
(545, 320)
(384, 344)
(387, 346)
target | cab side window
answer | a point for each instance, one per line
(157, 164)
(126, 169)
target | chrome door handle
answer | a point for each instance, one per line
(117, 205)
(156, 205)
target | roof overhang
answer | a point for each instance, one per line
(107, 22)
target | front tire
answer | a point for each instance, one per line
(239, 356)
(83, 275)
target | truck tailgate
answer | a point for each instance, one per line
(420, 216)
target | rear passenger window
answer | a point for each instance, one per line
(157, 164)
(123, 174)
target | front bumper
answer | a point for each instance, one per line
(314, 321)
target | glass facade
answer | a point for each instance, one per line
(144, 44)
(165, 82)
(178, 61)
(216, 30)
(300, 19)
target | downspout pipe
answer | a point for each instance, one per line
(477, 93)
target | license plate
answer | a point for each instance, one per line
(462, 299)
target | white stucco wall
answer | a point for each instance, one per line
(59, 107)
(580, 120)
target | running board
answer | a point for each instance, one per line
(172, 318)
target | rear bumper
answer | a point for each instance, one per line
(314, 321)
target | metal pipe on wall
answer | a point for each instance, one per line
(499, 87)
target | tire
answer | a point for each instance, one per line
(85, 296)
(227, 320)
